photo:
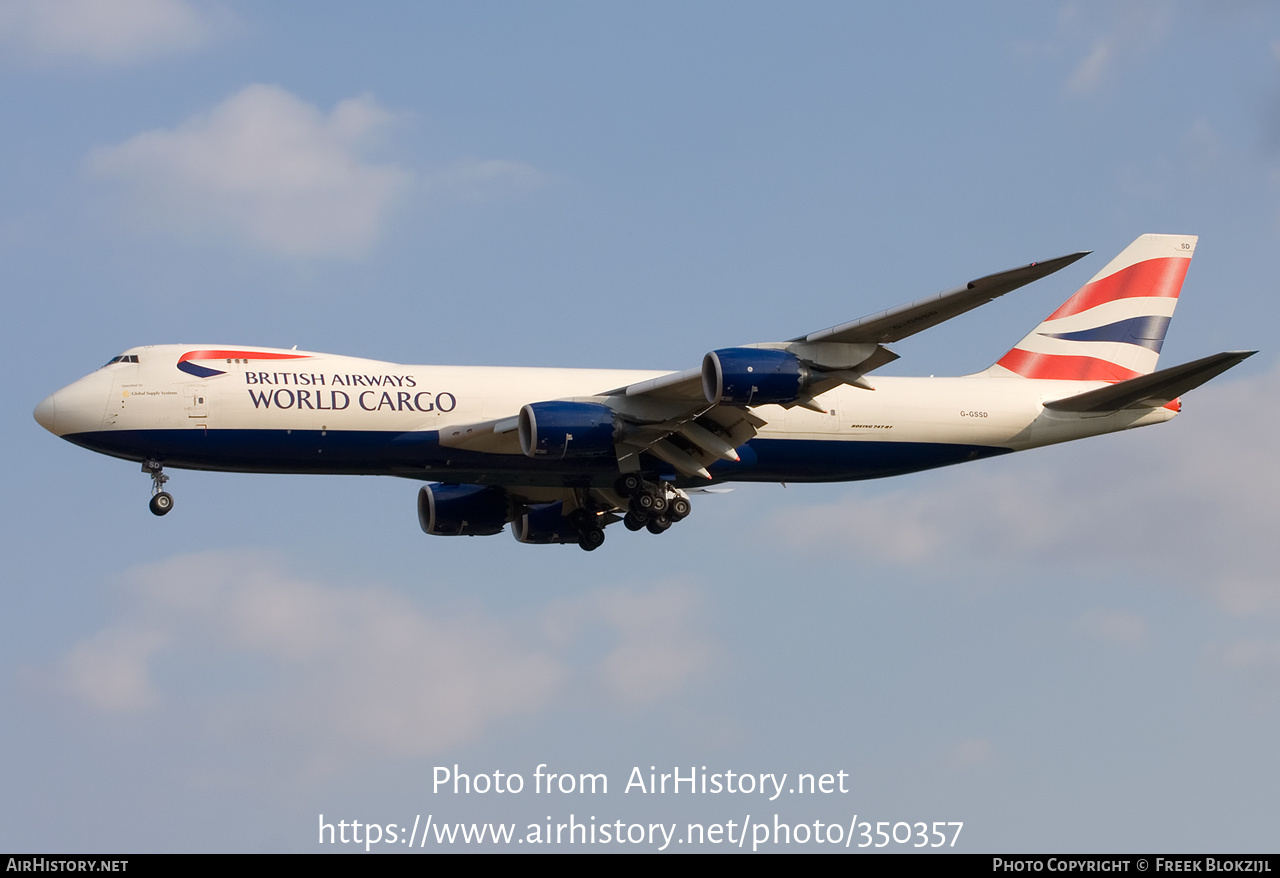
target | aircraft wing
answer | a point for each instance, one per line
(693, 418)
(905, 320)
(687, 434)
(894, 324)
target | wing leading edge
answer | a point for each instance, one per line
(898, 323)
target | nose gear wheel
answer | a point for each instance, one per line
(161, 500)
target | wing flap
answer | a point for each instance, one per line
(705, 435)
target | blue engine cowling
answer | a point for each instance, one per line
(462, 510)
(544, 523)
(753, 376)
(559, 430)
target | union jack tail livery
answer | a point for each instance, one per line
(1113, 327)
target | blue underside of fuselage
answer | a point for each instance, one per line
(419, 455)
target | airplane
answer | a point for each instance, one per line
(562, 453)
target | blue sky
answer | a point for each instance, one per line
(1074, 648)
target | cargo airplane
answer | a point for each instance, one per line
(561, 453)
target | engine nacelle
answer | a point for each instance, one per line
(753, 376)
(544, 523)
(462, 510)
(559, 430)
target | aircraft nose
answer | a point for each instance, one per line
(78, 407)
(46, 413)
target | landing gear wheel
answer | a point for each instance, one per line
(635, 520)
(642, 502)
(658, 524)
(581, 519)
(628, 484)
(591, 539)
(659, 503)
(680, 508)
(161, 501)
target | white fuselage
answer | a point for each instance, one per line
(310, 412)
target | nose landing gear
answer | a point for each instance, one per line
(161, 500)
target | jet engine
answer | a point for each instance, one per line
(753, 376)
(462, 510)
(559, 430)
(544, 523)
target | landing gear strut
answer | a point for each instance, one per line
(161, 500)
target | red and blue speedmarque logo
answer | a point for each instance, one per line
(191, 368)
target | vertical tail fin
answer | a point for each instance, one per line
(1114, 325)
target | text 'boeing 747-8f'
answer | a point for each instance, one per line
(560, 454)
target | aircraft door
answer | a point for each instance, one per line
(197, 400)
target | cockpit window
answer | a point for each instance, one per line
(123, 358)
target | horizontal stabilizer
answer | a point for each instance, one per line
(1155, 389)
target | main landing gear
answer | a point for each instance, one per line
(654, 506)
(161, 500)
(590, 533)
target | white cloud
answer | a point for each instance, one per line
(110, 32)
(655, 653)
(110, 669)
(1192, 503)
(267, 169)
(1092, 70)
(1130, 28)
(347, 668)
